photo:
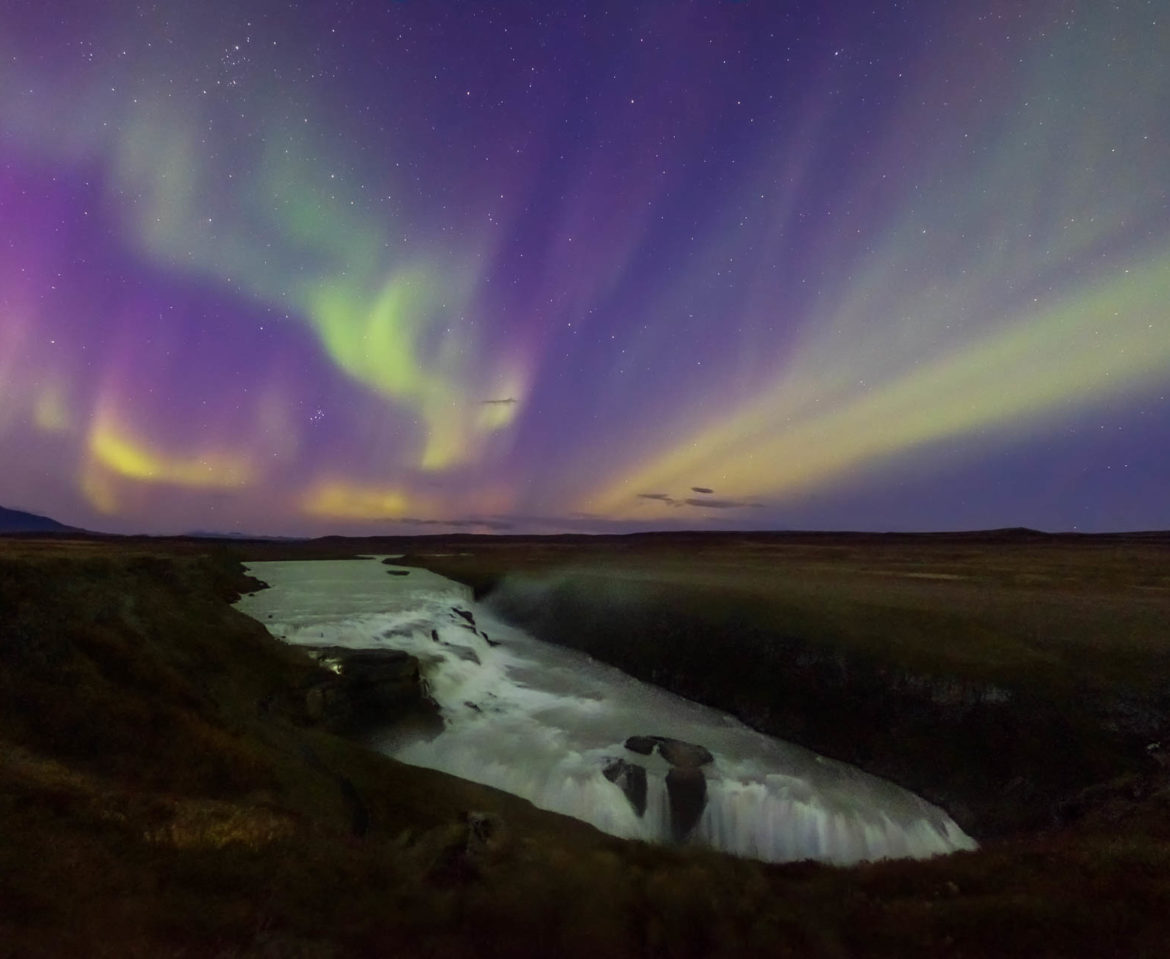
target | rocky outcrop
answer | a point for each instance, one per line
(686, 786)
(631, 779)
(367, 688)
(674, 751)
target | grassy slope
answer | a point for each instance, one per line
(152, 806)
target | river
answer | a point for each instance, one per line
(551, 725)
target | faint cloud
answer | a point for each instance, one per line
(508, 401)
(702, 489)
(723, 503)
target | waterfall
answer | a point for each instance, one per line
(581, 738)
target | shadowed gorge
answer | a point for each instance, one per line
(996, 678)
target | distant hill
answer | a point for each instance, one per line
(16, 521)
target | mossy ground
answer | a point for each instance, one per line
(159, 797)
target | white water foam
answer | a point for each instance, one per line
(543, 722)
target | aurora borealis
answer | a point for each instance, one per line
(421, 265)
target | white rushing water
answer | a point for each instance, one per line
(545, 723)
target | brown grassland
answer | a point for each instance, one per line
(162, 792)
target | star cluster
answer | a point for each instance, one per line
(396, 267)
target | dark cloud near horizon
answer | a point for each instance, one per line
(661, 498)
(702, 489)
(508, 401)
(703, 503)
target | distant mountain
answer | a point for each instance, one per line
(15, 521)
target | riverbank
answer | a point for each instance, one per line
(163, 794)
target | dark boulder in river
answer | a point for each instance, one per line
(684, 755)
(674, 751)
(687, 790)
(631, 779)
(686, 786)
(642, 745)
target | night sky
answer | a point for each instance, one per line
(537, 266)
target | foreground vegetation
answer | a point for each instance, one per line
(164, 793)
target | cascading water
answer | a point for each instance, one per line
(581, 738)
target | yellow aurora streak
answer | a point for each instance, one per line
(116, 458)
(1108, 341)
(338, 499)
